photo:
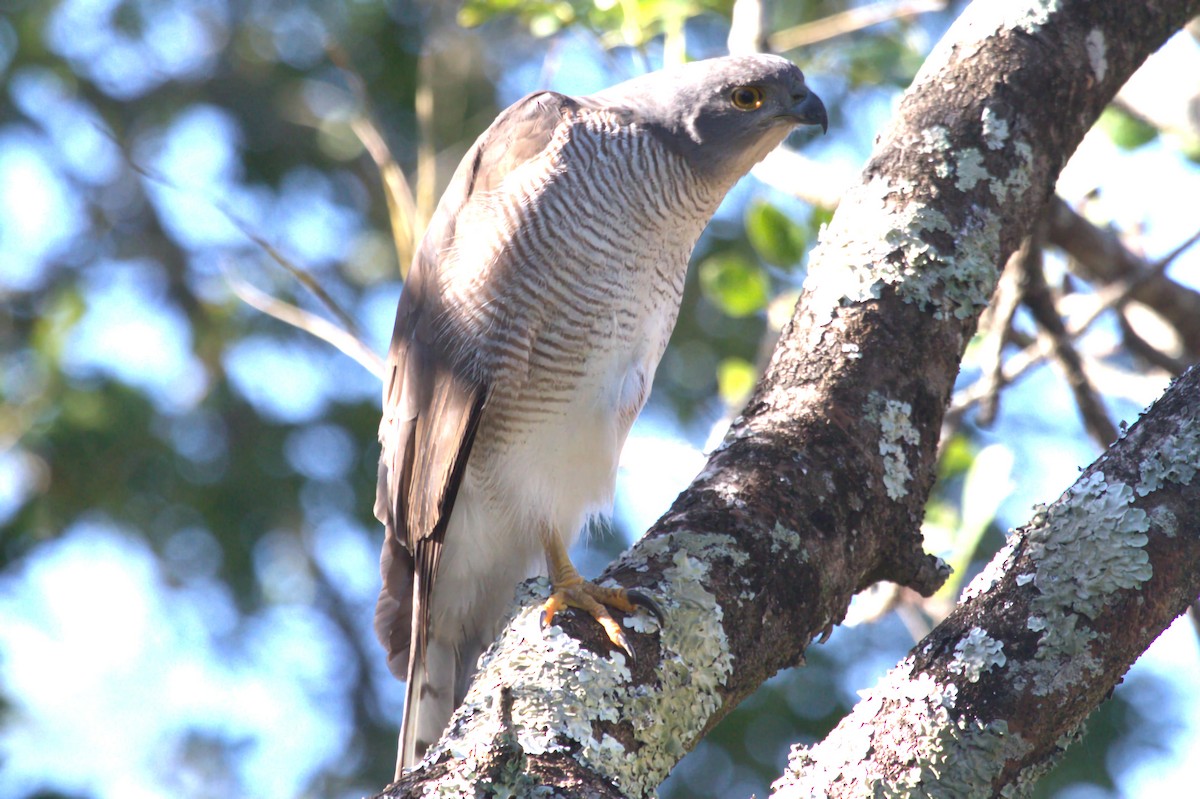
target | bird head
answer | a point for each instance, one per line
(723, 115)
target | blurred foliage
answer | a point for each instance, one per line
(776, 238)
(1127, 131)
(614, 21)
(735, 284)
(229, 470)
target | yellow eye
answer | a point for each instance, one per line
(746, 98)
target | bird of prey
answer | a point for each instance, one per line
(533, 318)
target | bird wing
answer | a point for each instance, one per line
(434, 393)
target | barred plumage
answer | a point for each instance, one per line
(534, 317)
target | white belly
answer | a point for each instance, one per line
(546, 476)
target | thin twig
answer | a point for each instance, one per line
(346, 338)
(1038, 300)
(1098, 256)
(426, 190)
(1107, 298)
(301, 276)
(747, 27)
(1143, 349)
(402, 210)
(308, 322)
(999, 321)
(848, 21)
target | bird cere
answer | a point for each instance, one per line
(537, 308)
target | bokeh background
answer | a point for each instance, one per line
(188, 560)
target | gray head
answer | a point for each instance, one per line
(723, 114)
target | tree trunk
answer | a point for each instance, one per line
(819, 488)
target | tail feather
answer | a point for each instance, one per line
(429, 701)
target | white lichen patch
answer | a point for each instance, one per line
(1173, 461)
(934, 142)
(975, 654)
(879, 237)
(935, 139)
(992, 572)
(1163, 520)
(895, 431)
(910, 719)
(1084, 548)
(979, 22)
(561, 690)
(785, 539)
(666, 718)
(970, 169)
(1017, 181)
(995, 129)
(703, 546)
(982, 20)
(1097, 51)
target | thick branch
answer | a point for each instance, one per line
(995, 693)
(819, 488)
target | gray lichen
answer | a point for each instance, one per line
(1097, 51)
(879, 238)
(561, 691)
(995, 129)
(975, 654)
(1174, 461)
(786, 539)
(1017, 181)
(970, 169)
(993, 571)
(896, 430)
(922, 749)
(1084, 548)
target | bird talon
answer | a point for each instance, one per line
(552, 606)
(643, 600)
(593, 599)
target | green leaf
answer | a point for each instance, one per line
(735, 380)
(1127, 131)
(734, 284)
(775, 237)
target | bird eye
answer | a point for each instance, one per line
(746, 98)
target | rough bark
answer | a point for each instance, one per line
(818, 490)
(985, 704)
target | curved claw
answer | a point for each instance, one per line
(643, 600)
(593, 599)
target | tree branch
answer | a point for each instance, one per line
(1040, 302)
(1098, 256)
(999, 689)
(819, 487)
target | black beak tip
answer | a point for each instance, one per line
(811, 111)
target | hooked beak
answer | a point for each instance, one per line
(809, 110)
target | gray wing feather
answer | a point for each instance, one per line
(434, 396)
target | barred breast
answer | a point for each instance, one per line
(571, 301)
(599, 268)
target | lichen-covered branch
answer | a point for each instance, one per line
(819, 487)
(987, 701)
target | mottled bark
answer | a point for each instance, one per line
(819, 488)
(996, 692)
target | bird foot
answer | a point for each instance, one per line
(588, 596)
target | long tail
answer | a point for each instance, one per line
(429, 701)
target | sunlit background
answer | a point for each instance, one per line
(188, 561)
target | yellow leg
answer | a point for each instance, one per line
(571, 590)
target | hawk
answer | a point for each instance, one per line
(527, 336)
